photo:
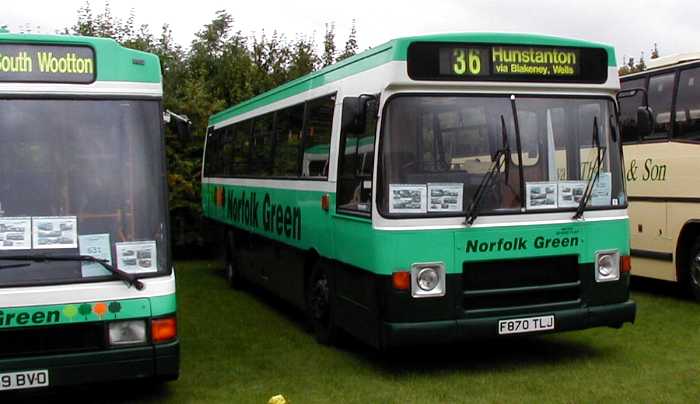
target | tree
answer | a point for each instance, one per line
(303, 59)
(84, 310)
(328, 56)
(100, 309)
(351, 44)
(221, 68)
(655, 52)
(115, 308)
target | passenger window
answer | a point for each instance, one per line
(688, 105)
(288, 126)
(210, 157)
(356, 166)
(317, 136)
(628, 111)
(262, 143)
(660, 96)
(225, 150)
(241, 148)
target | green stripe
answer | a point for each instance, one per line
(162, 305)
(357, 243)
(84, 312)
(395, 50)
(113, 62)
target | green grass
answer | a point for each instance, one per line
(245, 347)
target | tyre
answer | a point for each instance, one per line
(318, 304)
(693, 276)
(232, 264)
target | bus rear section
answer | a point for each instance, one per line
(87, 288)
(661, 165)
(454, 186)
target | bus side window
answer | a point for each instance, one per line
(317, 136)
(688, 105)
(356, 166)
(660, 96)
(288, 125)
(261, 161)
(628, 111)
(240, 140)
(210, 155)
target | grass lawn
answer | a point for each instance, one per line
(244, 347)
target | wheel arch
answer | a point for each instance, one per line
(686, 238)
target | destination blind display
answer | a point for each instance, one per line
(439, 61)
(46, 63)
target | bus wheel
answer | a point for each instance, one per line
(694, 270)
(318, 304)
(232, 265)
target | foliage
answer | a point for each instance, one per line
(329, 46)
(221, 67)
(351, 44)
(633, 67)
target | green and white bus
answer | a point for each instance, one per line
(87, 288)
(494, 204)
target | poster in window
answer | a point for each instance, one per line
(445, 197)
(571, 193)
(407, 198)
(97, 246)
(602, 190)
(137, 257)
(15, 233)
(541, 195)
(54, 232)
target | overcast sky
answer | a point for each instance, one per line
(631, 26)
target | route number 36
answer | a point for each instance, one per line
(466, 61)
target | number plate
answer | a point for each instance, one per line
(529, 324)
(24, 380)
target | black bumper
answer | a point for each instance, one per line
(161, 362)
(447, 331)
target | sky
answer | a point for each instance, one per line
(631, 26)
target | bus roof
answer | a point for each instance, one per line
(395, 50)
(672, 60)
(113, 61)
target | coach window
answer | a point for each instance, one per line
(356, 167)
(660, 96)
(688, 105)
(317, 136)
(225, 146)
(210, 156)
(289, 122)
(241, 148)
(263, 137)
(628, 111)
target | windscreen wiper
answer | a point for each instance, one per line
(129, 279)
(501, 157)
(600, 150)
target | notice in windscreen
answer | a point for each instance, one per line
(137, 257)
(53, 232)
(97, 246)
(15, 233)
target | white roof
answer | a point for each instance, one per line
(672, 59)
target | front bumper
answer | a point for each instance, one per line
(448, 331)
(159, 362)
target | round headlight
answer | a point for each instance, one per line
(428, 279)
(605, 265)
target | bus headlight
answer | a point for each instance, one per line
(607, 266)
(127, 332)
(428, 279)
